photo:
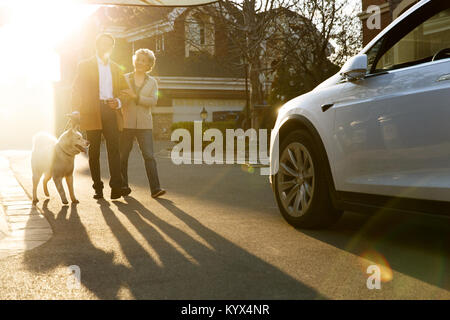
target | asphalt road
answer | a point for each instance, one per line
(217, 234)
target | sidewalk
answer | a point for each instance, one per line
(22, 226)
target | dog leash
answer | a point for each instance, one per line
(67, 124)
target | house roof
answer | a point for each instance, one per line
(152, 3)
(131, 17)
(134, 23)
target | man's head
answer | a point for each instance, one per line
(104, 44)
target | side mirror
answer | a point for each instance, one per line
(355, 68)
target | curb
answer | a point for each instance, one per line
(22, 225)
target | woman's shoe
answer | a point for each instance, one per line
(158, 193)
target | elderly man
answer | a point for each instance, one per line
(95, 103)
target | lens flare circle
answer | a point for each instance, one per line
(372, 257)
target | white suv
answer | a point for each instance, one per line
(375, 136)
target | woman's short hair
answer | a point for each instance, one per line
(149, 53)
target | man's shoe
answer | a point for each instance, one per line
(158, 193)
(116, 194)
(126, 191)
(98, 194)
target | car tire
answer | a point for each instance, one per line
(301, 186)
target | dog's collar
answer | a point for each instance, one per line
(64, 151)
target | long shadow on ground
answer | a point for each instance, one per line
(70, 245)
(173, 264)
(190, 269)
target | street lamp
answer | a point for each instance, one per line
(204, 114)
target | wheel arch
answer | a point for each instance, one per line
(295, 122)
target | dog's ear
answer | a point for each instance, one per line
(75, 126)
(74, 121)
(70, 116)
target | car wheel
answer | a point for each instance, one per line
(301, 186)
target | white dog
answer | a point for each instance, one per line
(54, 158)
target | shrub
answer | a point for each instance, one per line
(189, 125)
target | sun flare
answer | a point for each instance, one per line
(33, 29)
(30, 32)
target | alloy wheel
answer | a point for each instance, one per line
(296, 179)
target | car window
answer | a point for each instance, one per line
(419, 45)
(372, 54)
(416, 39)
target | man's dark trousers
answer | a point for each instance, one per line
(111, 133)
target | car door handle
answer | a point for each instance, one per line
(325, 107)
(443, 77)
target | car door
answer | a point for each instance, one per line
(393, 127)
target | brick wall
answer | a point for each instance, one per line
(388, 6)
(386, 19)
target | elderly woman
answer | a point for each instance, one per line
(137, 118)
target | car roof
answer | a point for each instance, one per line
(394, 23)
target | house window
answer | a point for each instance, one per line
(159, 43)
(199, 35)
(201, 28)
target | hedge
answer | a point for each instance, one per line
(189, 125)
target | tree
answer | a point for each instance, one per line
(329, 30)
(249, 28)
(318, 36)
(301, 41)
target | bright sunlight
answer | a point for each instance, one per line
(30, 32)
